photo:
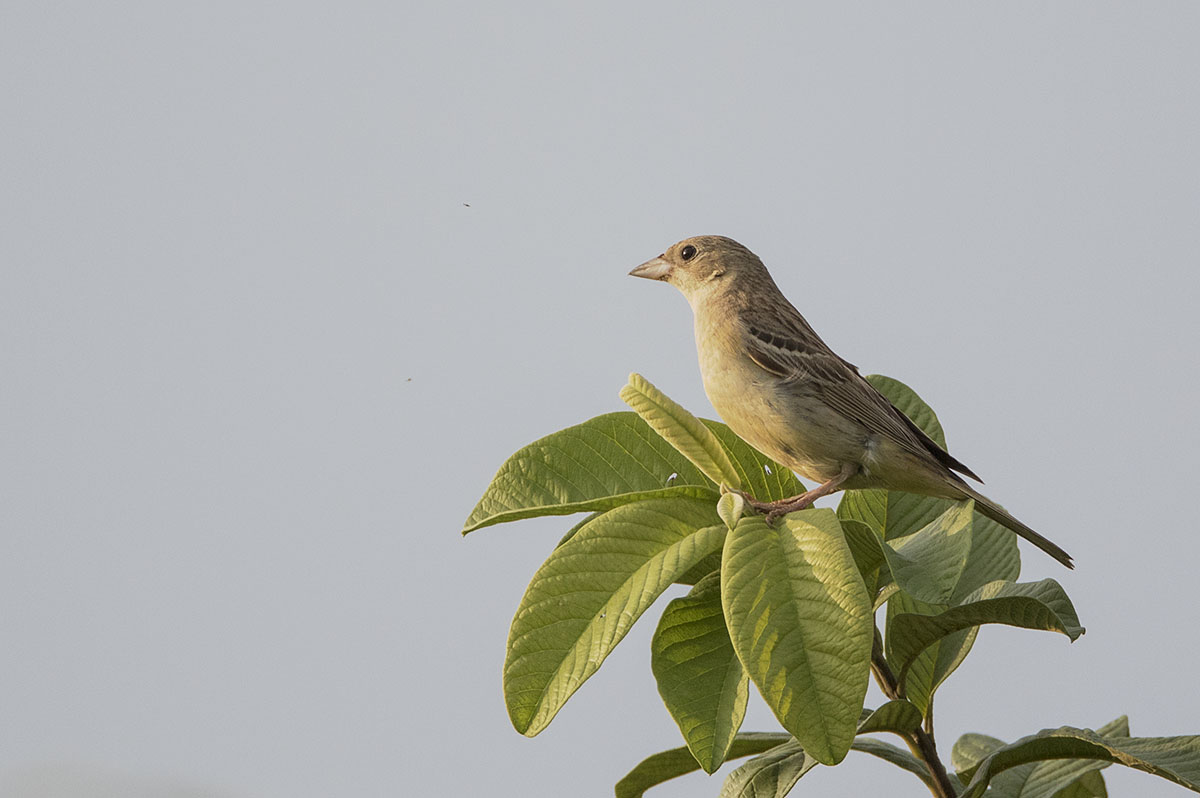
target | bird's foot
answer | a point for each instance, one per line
(762, 507)
(777, 509)
(794, 504)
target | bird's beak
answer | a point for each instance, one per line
(657, 269)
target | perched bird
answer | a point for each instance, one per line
(777, 385)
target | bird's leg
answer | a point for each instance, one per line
(804, 500)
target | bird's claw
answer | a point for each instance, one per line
(776, 510)
(772, 510)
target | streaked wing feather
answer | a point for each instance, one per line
(768, 359)
(799, 354)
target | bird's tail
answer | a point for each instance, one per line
(1001, 516)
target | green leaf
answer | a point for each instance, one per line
(993, 556)
(867, 550)
(895, 515)
(699, 676)
(1050, 779)
(710, 564)
(801, 623)
(587, 519)
(681, 429)
(896, 756)
(1118, 727)
(762, 477)
(929, 563)
(971, 749)
(588, 593)
(714, 448)
(667, 765)
(1176, 759)
(731, 507)
(891, 513)
(937, 661)
(1046, 779)
(1029, 605)
(898, 717)
(769, 775)
(604, 462)
(885, 593)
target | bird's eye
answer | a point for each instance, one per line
(688, 252)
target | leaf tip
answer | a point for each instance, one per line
(827, 755)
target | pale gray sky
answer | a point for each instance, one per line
(260, 357)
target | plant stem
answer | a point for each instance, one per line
(920, 742)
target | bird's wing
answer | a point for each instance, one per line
(792, 351)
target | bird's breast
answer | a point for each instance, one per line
(783, 418)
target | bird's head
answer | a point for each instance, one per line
(705, 265)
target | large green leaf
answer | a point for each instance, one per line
(769, 775)
(993, 557)
(604, 462)
(699, 676)
(588, 593)
(681, 429)
(1174, 758)
(929, 563)
(1029, 605)
(801, 623)
(1036, 779)
(667, 765)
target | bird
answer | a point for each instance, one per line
(785, 392)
